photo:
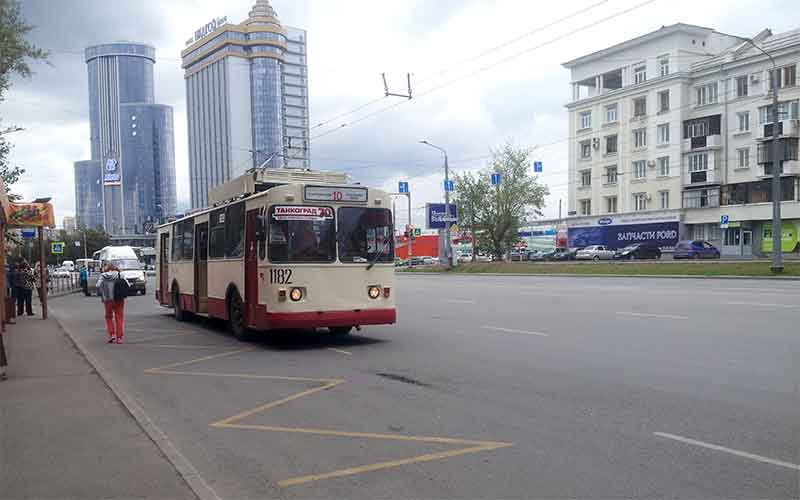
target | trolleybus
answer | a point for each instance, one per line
(282, 249)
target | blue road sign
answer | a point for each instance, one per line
(402, 187)
(723, 221)
(28, 232)
(449, 186)
(495, 179)
(537, 166)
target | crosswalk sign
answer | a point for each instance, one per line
(57, 247)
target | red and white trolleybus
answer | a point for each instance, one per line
(282, 249)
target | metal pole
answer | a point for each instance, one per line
(42, 274)
(410, 239)
(448, 246)
(85, 250)
(559, 210)
(777, 251)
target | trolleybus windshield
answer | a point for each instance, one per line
(365, 235)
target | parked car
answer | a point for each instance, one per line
(536, 255)
(595, 252)
(482, 257)
(516, 256)
(416, 261)
(429, 261)
(560, 254)
(400, 262)
(465, 257)
(61, 272)
(638, 251)
(695, 249)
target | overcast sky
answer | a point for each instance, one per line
(465, 103)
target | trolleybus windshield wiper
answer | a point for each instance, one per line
(377, 256)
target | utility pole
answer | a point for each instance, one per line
(85, 250)
(559, 210)
(777, 251)
(448, 244)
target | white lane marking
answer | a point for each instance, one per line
(511, 330)
(731, 451)
(543, 294)
(340, 351)
(649, 315)
(459, 301)
(762, 304)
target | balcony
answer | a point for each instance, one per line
(702, 142)
(786, 128)
(700, 177)
(791, 167)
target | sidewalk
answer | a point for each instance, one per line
(63, 434)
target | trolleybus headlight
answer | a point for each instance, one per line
(374, 292)
(296, 294)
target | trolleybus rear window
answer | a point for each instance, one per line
(365, 235)
(301, 234)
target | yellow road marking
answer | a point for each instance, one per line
(340, 351)
(472, 446)
(185, 346)
(385, 465)
(157, 337)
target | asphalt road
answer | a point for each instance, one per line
(487, 387)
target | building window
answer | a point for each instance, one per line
(663, 66)
(611, 174)
(663, 166)
(640, 107)
(640, 169)
(639, 74)
(611, 144)
(787, 77)
(699, 231)
(697, 129)
(586, 178)
(586, 149)
(742, 86)
(611, 113)
(701, 198)
(640, 201)
(698, 162)
(640, 138)
(663, 133)
(744, 121)
(611, 204)
(663, 101)
(586, 207)
(707, 94)
(789, 110)
(744, 158)
(663, 196)
(586, 120)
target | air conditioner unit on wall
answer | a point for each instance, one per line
(754, 79)
(596, 143)
(651, 164)
(648, 197)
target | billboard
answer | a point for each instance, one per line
(612, 235)
(111, 173)
(30, 215)
(435, 215)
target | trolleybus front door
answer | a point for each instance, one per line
(201, 268)
(251, 268)
(163, 269)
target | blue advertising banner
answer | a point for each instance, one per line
(435, 215)
(665, 234)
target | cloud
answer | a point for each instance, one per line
(465, 104)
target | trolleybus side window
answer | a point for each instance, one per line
(216, 236)
(365, 235)
(234, 230)
(182, 240)
(301, 234)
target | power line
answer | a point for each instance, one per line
(485, 68)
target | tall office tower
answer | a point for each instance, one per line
(132, 143)
(247, 99)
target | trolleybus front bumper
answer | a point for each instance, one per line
(291, 320)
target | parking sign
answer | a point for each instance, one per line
(723, 221)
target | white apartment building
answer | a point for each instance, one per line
(668, 133)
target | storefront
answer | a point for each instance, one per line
(617, 231)
(789, 236)
(737, 240)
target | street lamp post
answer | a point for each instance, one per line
(777, 251)
(448, 245)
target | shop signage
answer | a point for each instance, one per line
(436, 218)
(111, 174)
(789, 237)
(30, 214)
(336, 194)
(665, 234)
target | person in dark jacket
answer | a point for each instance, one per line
(115, 309)
(25, 281)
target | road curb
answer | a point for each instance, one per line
(182, 465)
(568, 275)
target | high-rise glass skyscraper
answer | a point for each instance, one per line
(130, 179)
(247, 99)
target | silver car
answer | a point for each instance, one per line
(595, 252)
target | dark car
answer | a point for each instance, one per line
(536, 255)
(562, 254)
(638, 251)
(695, 249)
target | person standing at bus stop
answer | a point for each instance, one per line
(84, 276)
(25, 281)
(114, 302)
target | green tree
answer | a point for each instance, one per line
(494, 214)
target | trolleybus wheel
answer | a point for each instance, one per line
(340, 330)
(180, 314)
(236, 323)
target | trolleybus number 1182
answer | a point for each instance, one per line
(280, 276)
